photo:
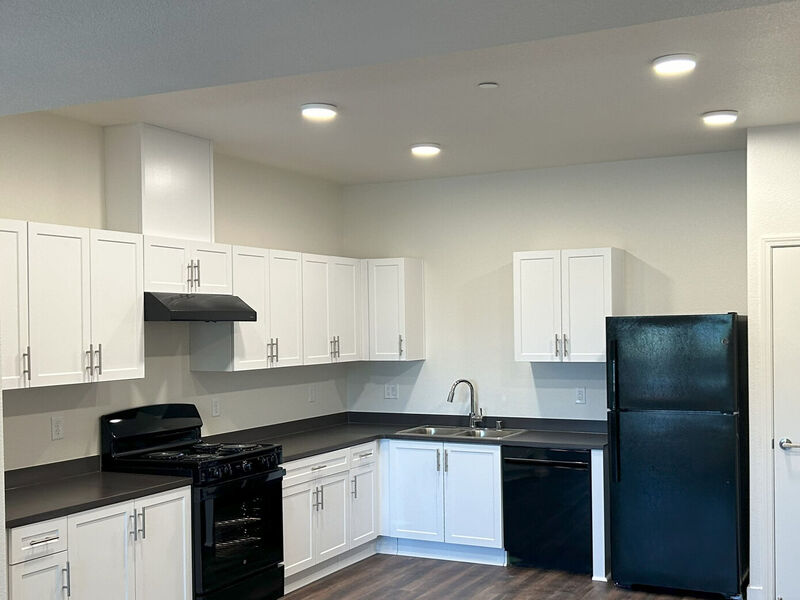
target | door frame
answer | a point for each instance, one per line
(762, 431)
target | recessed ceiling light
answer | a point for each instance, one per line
(717, 118)
(426, 150)
(674, 64)
(488, 85)
(316, 111)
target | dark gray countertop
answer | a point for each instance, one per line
(69, 495)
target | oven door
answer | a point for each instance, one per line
(238, 529)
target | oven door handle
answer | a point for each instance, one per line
(211, 490)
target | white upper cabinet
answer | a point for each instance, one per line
(396, 291)
(561, 300)
(331, 309)
(14, 303)
(116, 305)
(186, 267)
(159, 182)
(286, 308)
(251, 284)
(60, 321)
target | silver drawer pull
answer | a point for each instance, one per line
(317, 468)
(786, 444)
(47, 540)
(365, 454)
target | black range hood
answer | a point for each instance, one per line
(160, 306)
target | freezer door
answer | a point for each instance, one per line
(674, 509)
(672, 363)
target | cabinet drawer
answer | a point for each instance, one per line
(321, 465)
(364, 454)
(37, 540)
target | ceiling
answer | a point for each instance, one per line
(573, 99)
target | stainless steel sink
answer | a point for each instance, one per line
(488, 433)
(431, 430)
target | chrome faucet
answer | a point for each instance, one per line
(475, 414)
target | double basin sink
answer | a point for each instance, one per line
(462, 432)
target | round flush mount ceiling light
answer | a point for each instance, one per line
(317, 111)
(674, 64)
(717, 118)
(488, 85)
(426, 150)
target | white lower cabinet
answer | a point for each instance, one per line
(446, 493)
(137, 549)
(363, 504)
(332, 522)
(298, 527)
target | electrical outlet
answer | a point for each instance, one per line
(391, 391)
(57, 427)
(216, 410)
(580, 395)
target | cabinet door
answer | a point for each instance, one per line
(473, 505)
(14, 303)
(299, 517)
(117, 278)
(39, 579)
(101, 549)
(164, 551)
(60, 324)
(386, 310)
(586, 293)
(251, 284)
(415, 490)
(286, 307)
(212, 268)
(166, 265)
(317, 337)
(344, 277)
(537, 306)
(363, 505)
(332, 526)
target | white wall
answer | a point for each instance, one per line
(773, 209)
(51, 170)
(681, 219)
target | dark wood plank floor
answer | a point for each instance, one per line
(402, 578)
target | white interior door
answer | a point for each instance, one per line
(317, 337)
(166, 265)
(60, 316)
(39, 579)
(415, 490)
(286, 307)
(163, 550)
(386, 308)
(101, 553)
(117, 280)
(298, 527)
(212, 268)
(251, 284)
(344, 278)
(537, 306)
(786, 388)
(585, 302)
(363, 504)
(14, 303)
(332, 537)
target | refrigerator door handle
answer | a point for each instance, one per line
(612, 375)
(613, 436)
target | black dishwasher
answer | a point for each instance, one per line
(547, 508)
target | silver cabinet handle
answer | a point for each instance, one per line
(135, 526)
(566, 347)
(47, 540)
(269, 351)
(143, 528)
(400, 345)
(438, 460)
(99, 353)
(786, 444)
(365, 454)
(322, 497)
(338, 348)
(314, 503)
(197, 266)
(90, 360)
(558, 345)
(333, 347)
(354, 490)
(445, 461)
(318, 467)
(189, 280)
(67, 576)
(26, 364)
(277, 350)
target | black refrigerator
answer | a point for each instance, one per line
(677, 424)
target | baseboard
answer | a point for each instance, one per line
(755, 592)
(441, 551)
(312, 574)
(597, 578)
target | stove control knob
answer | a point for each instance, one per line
(247, 466)
(214, 473)
(226, 469)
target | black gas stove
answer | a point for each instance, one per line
(237, 521)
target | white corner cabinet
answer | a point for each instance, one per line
(561, 300)
(187, 267)
(159, 182)
(446, 492)
(396, 292)
(330, 505)
(136, 549)
(71, 305)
